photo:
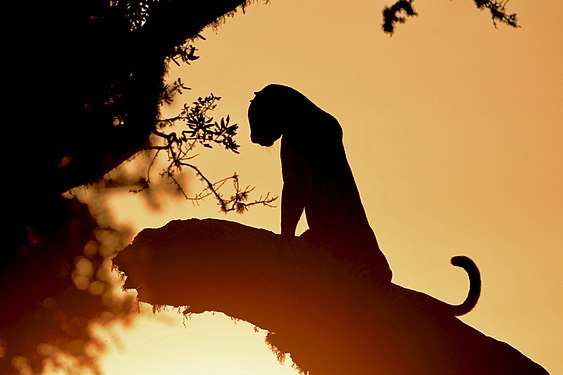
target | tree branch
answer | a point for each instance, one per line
(316, 307)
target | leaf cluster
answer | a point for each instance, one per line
(185, 53)
(199, 127)
(196, 126)
(498, 12)
(135, 11)
(398, 13)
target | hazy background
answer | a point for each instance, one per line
(453, 130)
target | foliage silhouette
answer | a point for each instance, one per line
(102, 66)
(402, 9)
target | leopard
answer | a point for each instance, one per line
(318, 181)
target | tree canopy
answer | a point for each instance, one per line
(91, 77)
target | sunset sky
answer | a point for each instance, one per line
(454, 132)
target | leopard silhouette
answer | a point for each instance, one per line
(317, 178)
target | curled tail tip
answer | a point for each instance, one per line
(461, 260)
(474, 283)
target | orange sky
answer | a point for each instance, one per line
(453, 131)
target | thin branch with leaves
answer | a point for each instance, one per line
(197, 127)
(402, 9)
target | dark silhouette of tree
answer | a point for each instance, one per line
(402, 9)
(84, 81)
